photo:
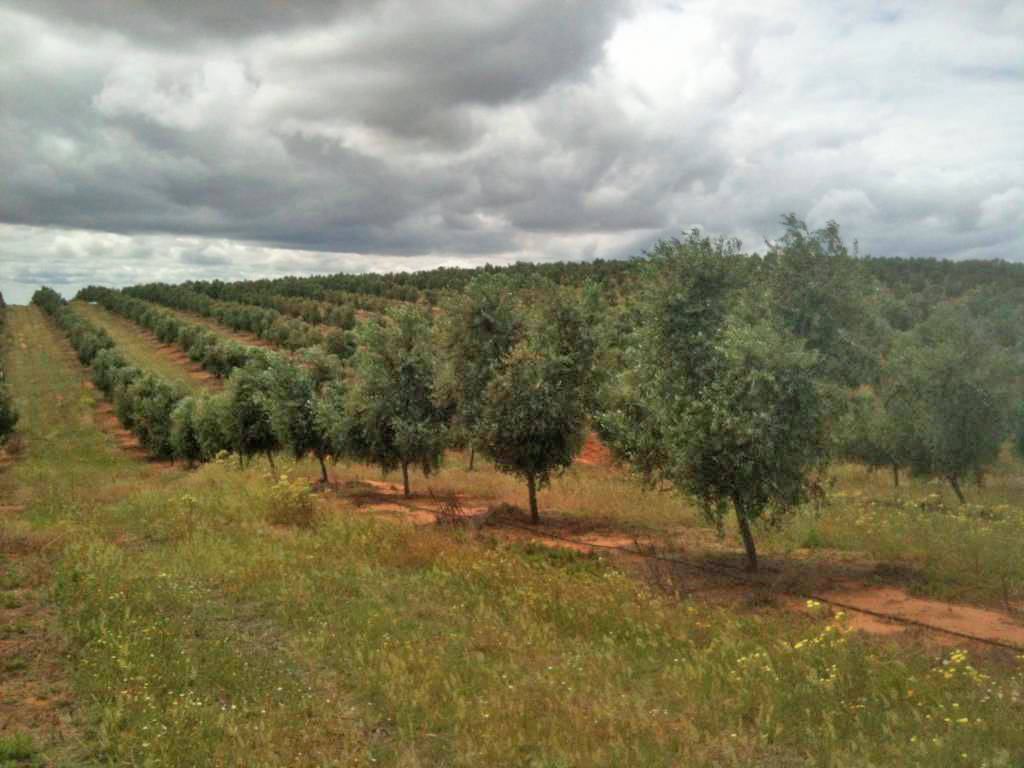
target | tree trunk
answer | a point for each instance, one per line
(273, 467)
(472, 456)
(748, 539)
(531, 485)
(405, 477)
(896, 475)
(323, 468)
(955, 483)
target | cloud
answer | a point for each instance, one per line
(234, 139)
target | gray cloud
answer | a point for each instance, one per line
(147, 139)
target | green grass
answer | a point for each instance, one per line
(960, 552)
(143, 351)
(18, 750)
(199, 633)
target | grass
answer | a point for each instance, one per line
(18, 750)
(144, 351)
(959, 552)
(938, 548)
(199, 632)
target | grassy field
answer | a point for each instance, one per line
(175, 624)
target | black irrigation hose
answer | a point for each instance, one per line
(737, 577)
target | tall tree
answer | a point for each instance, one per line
(720, 400)
(391, 407)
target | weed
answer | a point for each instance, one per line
(291, 503)
(18, 750)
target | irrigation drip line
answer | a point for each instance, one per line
(740, 579)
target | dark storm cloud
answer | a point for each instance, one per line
(183, 22)
(146, 140)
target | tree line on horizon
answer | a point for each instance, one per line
(730, 377)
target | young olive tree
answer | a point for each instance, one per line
(8, 415)
(868, 436)
(1018, 431)
(212, 414)
(478, 327)
(248, 425)
(718, 404)
(184, 431)
(393, 418)
(823, 295)
(946, 396)
(296, 405)
(533, 418)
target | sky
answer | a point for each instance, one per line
(143, 140)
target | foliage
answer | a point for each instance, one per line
(248, 423)
(298, 398)
(391, 405)
(48, 299)
(475, 332)
(8, 413)
(720, 405)
(533, 418)
(947, 399)
(867, 435)
(1018, 432)
(152, 399)
(822, 295)
(211, 420)
(184, 434)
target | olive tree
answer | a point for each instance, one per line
(248, 423)
(394, 419)
(184, 431)
(211, 418)
(868, 435)
(296, 407)
(1018, 432)
(533, 418)
(153, 398)
(478, 327)
(719, 399)
(823, 295)
(8, 415)
(946, 396)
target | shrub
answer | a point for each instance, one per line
(184, 434)
(291, 503)
(8, 416)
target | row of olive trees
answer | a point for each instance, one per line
(725, 376)
(266, 323)
(8, 413)
(216, 354)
